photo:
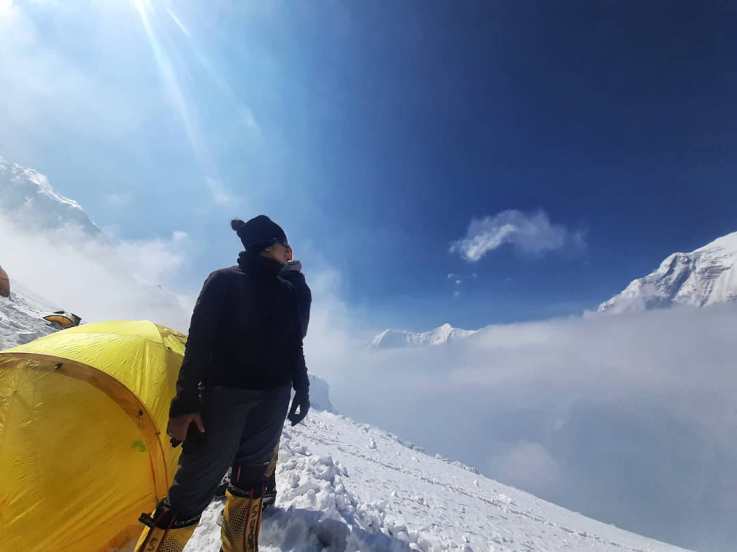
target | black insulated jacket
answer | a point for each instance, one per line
(246, 331)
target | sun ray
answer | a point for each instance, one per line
(173, 87)
(245, 114)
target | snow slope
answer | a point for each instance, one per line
(27, 199)
(345, 486)
(390, 339)
(705, 276)
(21, 318)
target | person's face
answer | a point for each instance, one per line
(279, 252)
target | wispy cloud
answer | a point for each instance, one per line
(530, 233)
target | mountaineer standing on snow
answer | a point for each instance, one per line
(292, 273)
(244, 354)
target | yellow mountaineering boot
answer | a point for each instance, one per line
(163, 532)
(241, 522)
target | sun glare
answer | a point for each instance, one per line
(6, 8)
(174, 89)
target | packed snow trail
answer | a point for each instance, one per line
(345, 486)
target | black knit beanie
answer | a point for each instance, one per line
(258, 233)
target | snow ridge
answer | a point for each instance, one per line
(390, 339)
(703, 277)
(27, 198)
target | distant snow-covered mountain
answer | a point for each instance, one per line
(45, 231)
(28, 200)
(392, 339)
(703, 277)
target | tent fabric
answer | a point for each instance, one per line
(63, 319)
(83, 446)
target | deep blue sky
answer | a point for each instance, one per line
(375, 131)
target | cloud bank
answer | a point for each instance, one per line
(97, 277)
(528, 233)
(631, 419)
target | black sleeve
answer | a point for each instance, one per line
(305, 303)
(198, 353)
(304, 297)
(300, 379)
(302, 301)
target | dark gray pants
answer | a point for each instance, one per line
(242, 428)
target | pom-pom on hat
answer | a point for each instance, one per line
(258, 233)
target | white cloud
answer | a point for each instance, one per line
(530, 233)
(154, 260)
(527, 465)
(629, 419)
(97, 277)
(7, 8)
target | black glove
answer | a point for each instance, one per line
(301, 400)
(295, 266)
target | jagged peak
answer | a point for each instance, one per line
(705, 276)
(391, 338)
(29, 200)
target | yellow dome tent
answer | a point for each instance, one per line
(83, 446)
